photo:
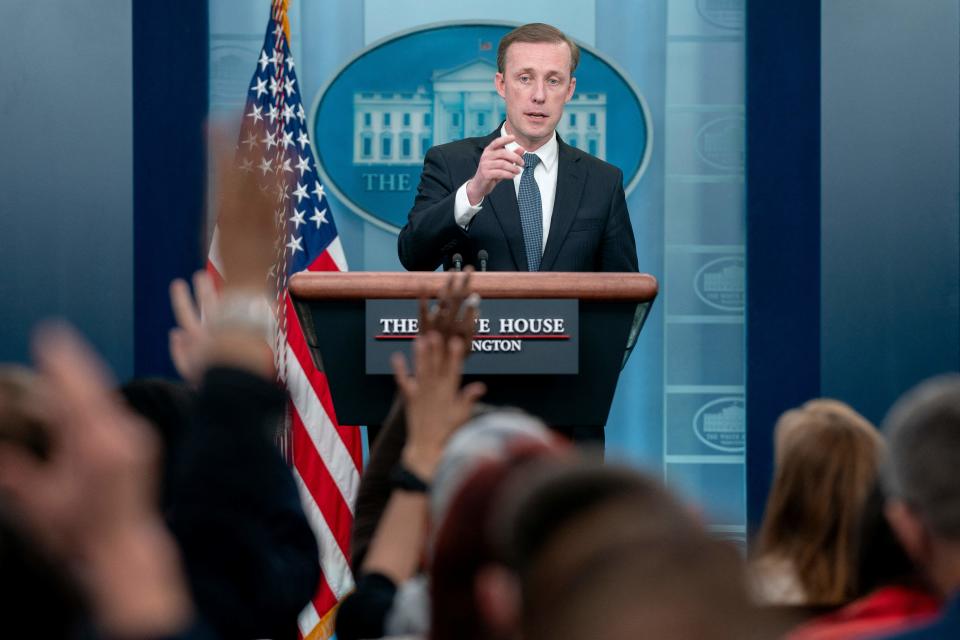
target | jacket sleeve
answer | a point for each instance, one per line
(618, 249)
(431, 232)
(250, 555)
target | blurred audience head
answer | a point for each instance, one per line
(584, 538)
(827, 459)
(489, 435)
(465, 574)
(921, 478)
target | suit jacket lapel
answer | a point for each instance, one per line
(503, 201)
(570, 181)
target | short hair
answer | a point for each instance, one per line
(923, 431)
(537, 32)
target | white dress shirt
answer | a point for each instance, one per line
(545, 175)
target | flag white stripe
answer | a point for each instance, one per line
(214, 254)
(322, 431)
(308, 619)
(336, 569)
(335, 249)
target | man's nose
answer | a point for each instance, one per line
(539, 93)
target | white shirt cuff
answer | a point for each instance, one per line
(463, 211)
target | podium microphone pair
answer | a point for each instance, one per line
(481, 258)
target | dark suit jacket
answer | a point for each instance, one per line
(590, 229)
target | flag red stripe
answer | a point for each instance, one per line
(324, 600)
(215, 276)
(322, 487)
(323, 263)
(318, 381)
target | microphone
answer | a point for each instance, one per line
(457, 262)
(482, 256)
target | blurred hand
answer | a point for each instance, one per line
(190, 339)
(249, 232)
(232, 330)
(93, 502)
(456, 310)
(436, 406)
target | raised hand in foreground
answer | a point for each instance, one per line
(456, 310)
(92, 502)
(436, 406)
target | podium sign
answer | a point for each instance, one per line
(523, 336)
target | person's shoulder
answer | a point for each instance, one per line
(595, 165)
(458, 147)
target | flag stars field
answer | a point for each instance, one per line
(295, 244)
(297, 218)
(320, 217)
(300, 192)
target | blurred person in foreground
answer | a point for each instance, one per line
(605, 552)
(466, 577)
(89, 555)
(827, 460)
(923, 488)
(891, 592)
(87, 491)
(232, 502)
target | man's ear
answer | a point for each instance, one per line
(498, 82)
(573, 87)
(497, 594)
(909, 530)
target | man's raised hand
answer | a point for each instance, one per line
(496, 164)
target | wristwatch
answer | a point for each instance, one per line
(403, 479)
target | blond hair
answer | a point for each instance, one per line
(827, 459)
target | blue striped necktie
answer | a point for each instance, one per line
(531, 212)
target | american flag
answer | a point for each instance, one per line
(326, 457)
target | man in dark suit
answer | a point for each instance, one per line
(521, 195)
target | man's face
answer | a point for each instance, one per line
(535, 85)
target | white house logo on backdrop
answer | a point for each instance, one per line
(721, 143)
(397, 128)
(721, 424)
(720, 283)
(375, 120)
(726, 14)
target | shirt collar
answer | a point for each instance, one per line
(547, 152)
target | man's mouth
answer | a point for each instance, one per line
(536, 115)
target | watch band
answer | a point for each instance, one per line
(405, 480)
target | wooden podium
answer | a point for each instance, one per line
(612, 309)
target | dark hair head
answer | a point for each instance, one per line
(537, 32)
